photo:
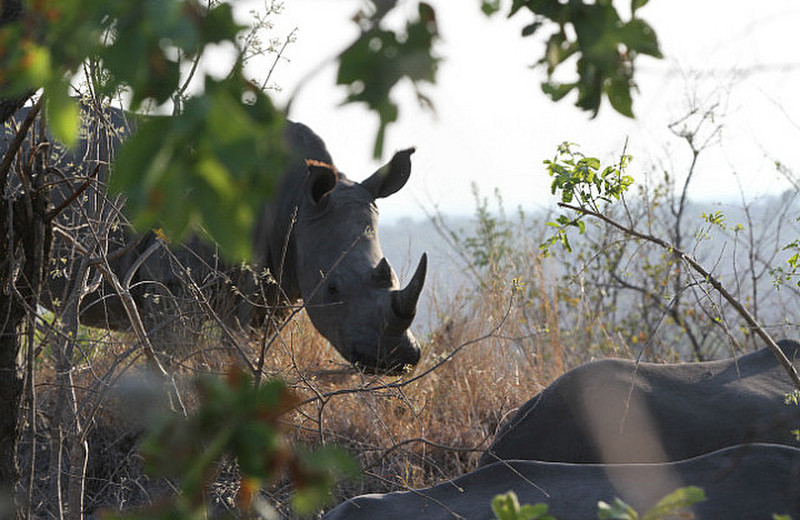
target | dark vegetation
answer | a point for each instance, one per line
(75, 401)
(516, 320)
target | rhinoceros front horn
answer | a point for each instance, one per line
(404, 301)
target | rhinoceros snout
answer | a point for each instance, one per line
(393, 358)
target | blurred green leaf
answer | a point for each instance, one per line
(617, 510)
(531, 28)
(490, 7)
(239, 419)
(225, 155)
(672, 504)
(507, 507)
(639, 37)
(637, 4)
(606, 47)
(219, 24)
(379, 59)
(557, 91)
(619, 95)
(63, 115)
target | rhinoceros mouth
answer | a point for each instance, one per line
(405, 353)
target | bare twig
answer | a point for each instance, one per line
(405, 382)
(74, 195)
(289, 39)
(16, 143)
(708, 277)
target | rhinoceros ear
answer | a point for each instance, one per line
(322, 179)
(390, 177)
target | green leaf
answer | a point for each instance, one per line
(676, 501)
(557, 91)
(37, 65)
(618, 510)
(490, 7)
(219, 24)
(552, 9)
(530, 29)
(637, 4)
(619, 94)
(63, 115)
(507, 507)
(375, 63)
(639, 37)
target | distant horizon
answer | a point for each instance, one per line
(394, 218)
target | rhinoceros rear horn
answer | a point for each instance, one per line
(404, 301)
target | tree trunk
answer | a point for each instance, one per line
(23, 249)
(25, 237)
(11, 315)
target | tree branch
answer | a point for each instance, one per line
(708, 277)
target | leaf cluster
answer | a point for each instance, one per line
(576, 175)
(507, 507)
(138, 44)
(605, 45)
(223, 154)
(380, 58)
(223, 151)
(238, 419)
(780, 274)
(579, 179)
(668, 507)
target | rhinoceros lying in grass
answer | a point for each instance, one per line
(318, 239)
(616, 411)
(751, 481)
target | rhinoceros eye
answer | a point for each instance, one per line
(333, 290)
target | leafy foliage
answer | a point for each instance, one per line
(381, 58)
(223, 150)
(506, 507)
(222, 147)
(605, 45)
(785, 274)
(238, 419)
(222, 153)
(669, 506)
(138, 43)
(139, 47)
(579, 180)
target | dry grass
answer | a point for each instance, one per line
(491, 349)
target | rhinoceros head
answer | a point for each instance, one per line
(351, 293)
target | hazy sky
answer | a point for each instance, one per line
(493, 126)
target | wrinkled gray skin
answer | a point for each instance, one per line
(332, 258)
(752, 481)
(615, 411)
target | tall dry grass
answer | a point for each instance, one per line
(517, 324)
(492, 346)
